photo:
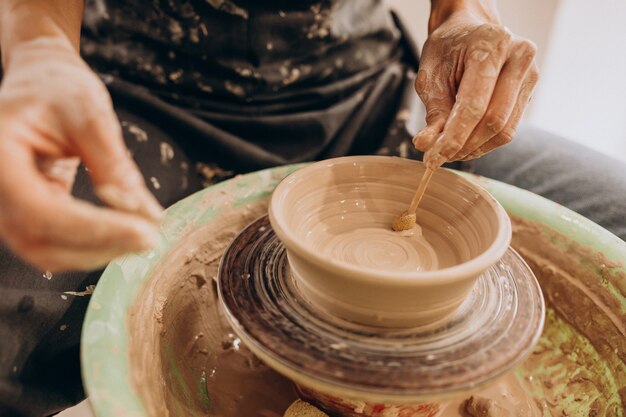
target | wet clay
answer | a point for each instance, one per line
(579, 366)
(334, 218)
(508, 397)
(480, 406)
(186, 361)
(383, 249)
(303, 409)
(345, 201)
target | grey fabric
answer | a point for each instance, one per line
(563, 171)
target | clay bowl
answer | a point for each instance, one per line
(334, 219)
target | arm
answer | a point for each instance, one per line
(26, 20)
(442, 10)
(475, 80)
(54, 111)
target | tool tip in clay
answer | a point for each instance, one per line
(404, 222)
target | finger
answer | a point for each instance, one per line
(478, 81)
(504, 98)
(76, 244)
(74, 223)
(59, 170)
(53, 258)
(506, 135)
(34, 213)
(117, 180)
(425, 138)
(432, 87)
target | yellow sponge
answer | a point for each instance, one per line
(303, 409)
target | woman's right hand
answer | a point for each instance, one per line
(54, 111)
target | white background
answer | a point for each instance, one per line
(582, 58)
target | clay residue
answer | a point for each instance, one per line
(303, 409)
(383, 249)
(186, 361)
(507, 397)
(510, 396)
(185, 358)
(229, 7)
(484, 407)
(579, 365)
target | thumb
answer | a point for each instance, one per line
(116, 178)
(432, 90)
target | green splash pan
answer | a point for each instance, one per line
(577, 369)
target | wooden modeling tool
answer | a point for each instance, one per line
(408, 219)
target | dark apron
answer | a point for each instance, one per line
(255, 84)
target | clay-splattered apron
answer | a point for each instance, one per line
(256, 83)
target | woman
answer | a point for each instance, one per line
(222, 87)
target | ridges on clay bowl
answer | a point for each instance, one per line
(334, 219)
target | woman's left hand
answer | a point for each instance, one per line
(475, 79)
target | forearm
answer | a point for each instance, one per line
(26, 20)
(441, 10)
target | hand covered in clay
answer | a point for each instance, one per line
(475, 79)
(54, 111)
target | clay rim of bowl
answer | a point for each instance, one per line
(474, 266)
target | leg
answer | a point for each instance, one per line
(572, 175)
(40, 324)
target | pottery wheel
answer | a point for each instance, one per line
(491, 332)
